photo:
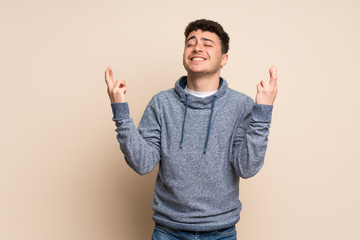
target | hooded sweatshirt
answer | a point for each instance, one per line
(202, 146)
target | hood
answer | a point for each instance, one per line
(196, 102)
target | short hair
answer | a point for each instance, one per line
(210, 26)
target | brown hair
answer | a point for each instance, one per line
(210, 26)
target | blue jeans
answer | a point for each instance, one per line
(164, 233)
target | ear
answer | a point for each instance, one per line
(224, 59)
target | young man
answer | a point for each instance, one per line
(203, 135)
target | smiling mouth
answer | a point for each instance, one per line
(197, 59)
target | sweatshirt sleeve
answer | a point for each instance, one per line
(141, 147)
(250, 140)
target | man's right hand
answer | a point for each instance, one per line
(115, 90)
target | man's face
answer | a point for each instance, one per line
(202, 53)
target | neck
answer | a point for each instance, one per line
(203, 83)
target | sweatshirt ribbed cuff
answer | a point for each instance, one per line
(262, 113)
(120, 110)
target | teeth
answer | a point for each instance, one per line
(197, 59)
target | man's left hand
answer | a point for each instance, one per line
(266, 90)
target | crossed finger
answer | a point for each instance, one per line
(109, 78)
(273, 75)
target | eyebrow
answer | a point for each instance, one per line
(204, 39)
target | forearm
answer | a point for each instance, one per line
(249, 149)
(140, 154)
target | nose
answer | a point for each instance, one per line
(198, 48)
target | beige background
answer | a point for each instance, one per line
(62, 175)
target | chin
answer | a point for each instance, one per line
(197, 69)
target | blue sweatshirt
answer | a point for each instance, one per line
(202, 146)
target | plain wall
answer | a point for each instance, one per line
(62, 175)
